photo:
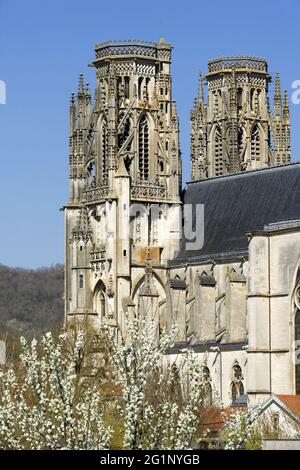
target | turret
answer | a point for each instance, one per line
(198, 135)
(286, 109)
(234, 131)
(281, 126)
(125, 178)
(277, 99)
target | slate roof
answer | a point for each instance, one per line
(178, 284)
(239, 203)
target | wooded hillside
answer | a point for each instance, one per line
(31, 301)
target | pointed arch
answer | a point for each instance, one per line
(140, 87)
(237, 387)
(237, 371)
(208, 391)
(127, 87)
(158, 283)
(100, 301)
(125, 132)
(154, 305)
(239, 98)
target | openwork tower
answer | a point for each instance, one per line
(234, 130)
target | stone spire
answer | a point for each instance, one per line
(80, 85)
(200, 88)
(277, 98)
(83, 103)
(286, 108)
(232, 132)
(198, 125)
(72, 114)
(82, 230)
(281, 126)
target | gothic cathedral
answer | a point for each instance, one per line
(234, 298)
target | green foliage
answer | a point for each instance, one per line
(254, 441)
(113, 420)
(241, 431)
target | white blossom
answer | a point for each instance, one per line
(168, 425)
(238, 429)
(45, 407)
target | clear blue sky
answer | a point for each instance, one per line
(44, 45)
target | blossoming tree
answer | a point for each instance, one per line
(44, 405)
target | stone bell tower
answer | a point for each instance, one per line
(235, 130)
(125, 177)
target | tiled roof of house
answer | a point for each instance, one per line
(214, 419)
(292, 402)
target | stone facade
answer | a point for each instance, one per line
(235, 299)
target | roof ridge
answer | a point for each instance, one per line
(246, 173)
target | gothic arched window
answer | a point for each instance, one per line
(206, 373)
(237, 372)
(102, 311)
(237, 386)
(257, 100)
(240, 98)
(208, 393)
(123, 136)
(140, 91)
(143, 161)
(255, 143)
(104, 151)
(218, 152)
(99, 298)
(127, 87)
(234, 392)
(252, 94)
(91, 173)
